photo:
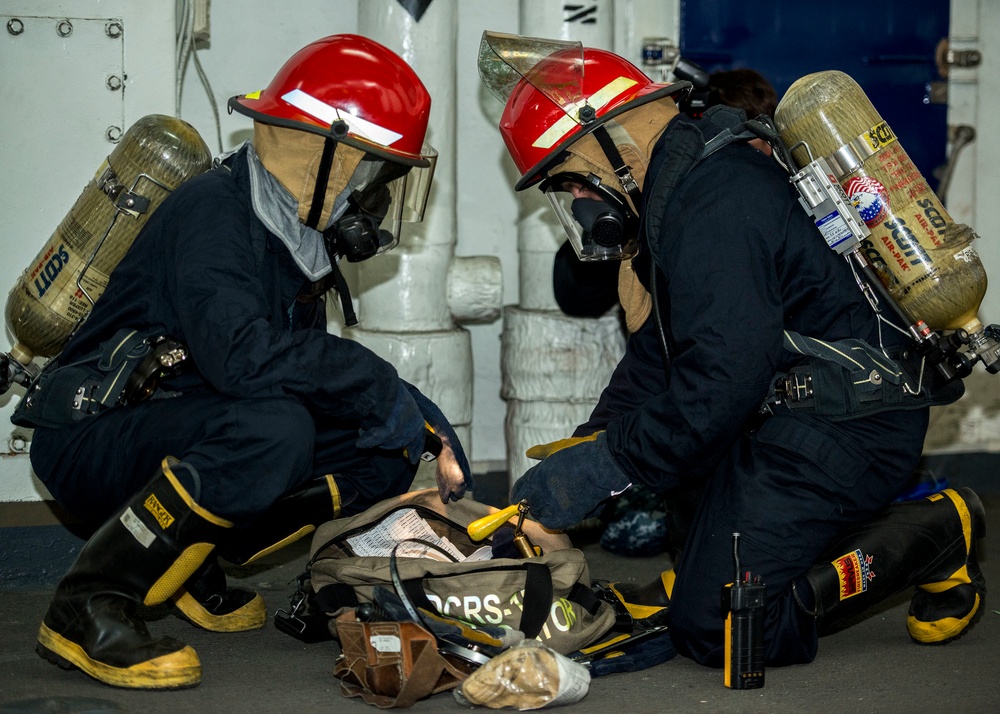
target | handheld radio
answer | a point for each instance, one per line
(743, 606)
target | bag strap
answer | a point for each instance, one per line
(428, 666)
(537, 598)
(536, 605)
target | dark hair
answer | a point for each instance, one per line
(744, 89)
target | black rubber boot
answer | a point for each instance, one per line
(647, 605)
(205, 601)
(141, 555)
(929, 543)
(293, 516)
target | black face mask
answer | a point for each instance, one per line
(601, 223)
(356, 236)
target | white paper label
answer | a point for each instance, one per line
(386, 643)
(137, 528)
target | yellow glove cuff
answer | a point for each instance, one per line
(542, 451)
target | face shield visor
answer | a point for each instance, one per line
(597, 220)
(382, 195)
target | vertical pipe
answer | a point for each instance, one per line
(553, 366)
(403, 296)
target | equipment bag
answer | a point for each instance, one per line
(547, 597)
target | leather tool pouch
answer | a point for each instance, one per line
(391, 665)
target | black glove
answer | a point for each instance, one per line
(571, 484)
(404, 428)
(443, 428)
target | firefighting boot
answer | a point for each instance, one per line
(205, 601)
(928, 543)
(293, 516)
(140, 556)
(646, 605)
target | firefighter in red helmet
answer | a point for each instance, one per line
(272, 425)
(756, 373)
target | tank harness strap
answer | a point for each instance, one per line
(849, 378)
(119, 358)
(124, 370)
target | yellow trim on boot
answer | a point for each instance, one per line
(274, 547)
(251, 616)
(963, 512)
(165, 466)
(335, 504)
(947, 628)
(171, 671)
(960, 576)
(334, 494)
(178, 573)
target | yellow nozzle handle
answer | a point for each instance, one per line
(484, 527)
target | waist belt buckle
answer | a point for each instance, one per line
(795, 387)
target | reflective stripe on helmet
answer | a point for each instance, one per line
(567, 122)
(324, 112)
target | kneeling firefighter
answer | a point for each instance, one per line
(270, 425)
(733, 302)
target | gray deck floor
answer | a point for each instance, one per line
(870, 667)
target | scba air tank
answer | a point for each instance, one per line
(57, 290)
(924, 259)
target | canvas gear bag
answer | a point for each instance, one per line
(547, 597)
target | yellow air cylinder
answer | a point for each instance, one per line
(50, 298)
(924, 259)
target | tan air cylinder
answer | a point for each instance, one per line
(50, 298)
(922, 256)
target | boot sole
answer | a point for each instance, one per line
(251, 616)
(177, 670)
(973, 619)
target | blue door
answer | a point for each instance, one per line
(888, 48)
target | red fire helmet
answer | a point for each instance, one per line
(556, 92)
(354, 80)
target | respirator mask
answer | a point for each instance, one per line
(382, 194)
(598, 221)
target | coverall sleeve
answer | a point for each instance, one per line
(718, 254)
(241, 338)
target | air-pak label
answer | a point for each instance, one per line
(161, 514)
(137, 528)
(854, 571)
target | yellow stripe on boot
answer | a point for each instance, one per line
(944, 610)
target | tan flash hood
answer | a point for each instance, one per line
(293, 157)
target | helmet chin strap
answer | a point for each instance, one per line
(312, 220)
(322, 179)
(618, 165)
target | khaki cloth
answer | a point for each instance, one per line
(293, 156)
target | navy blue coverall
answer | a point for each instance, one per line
(268, 398)
(740, 262)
